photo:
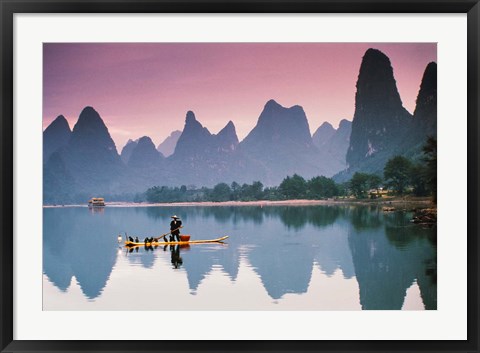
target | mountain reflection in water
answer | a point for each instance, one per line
(283, 246)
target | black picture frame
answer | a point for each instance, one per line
(10, 7)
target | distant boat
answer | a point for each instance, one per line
(96, 202)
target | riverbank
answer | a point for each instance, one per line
(394, 202)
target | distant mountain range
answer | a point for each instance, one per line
(84, 162)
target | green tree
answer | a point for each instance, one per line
(359, 185)
(257, 190)
(344, 189)
(221, 192)
(321, 187)
(236, 188)
(203, 194)
(245, 194)
(271, 193)
(418, 179)
(139, 197)
(397, 173)
(294, 187)
(374, 181)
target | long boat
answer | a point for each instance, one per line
(96, 202)
(155, 243)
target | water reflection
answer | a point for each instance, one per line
(389, 259)
(365, 218)
(383, 252)
(75, 245)
(96, 210)
(176, 259)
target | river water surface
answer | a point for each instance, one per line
(276, 258)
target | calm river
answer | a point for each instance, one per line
(276, 258)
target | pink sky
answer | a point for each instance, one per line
(146, 88)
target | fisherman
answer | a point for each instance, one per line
(175, 225)
(130, 239)
(136, 240)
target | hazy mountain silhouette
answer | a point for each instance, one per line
(281, 142)
(323, 134)
(127, 150)
(194, 141)
(55, 136)
(88, 165)
(334, 142)
(145, 167)
(167, 147)
(91, 156)
(91, 134)
(144, 155)
(338, 144)
(278, 124)
(227, 140)
(202, 158)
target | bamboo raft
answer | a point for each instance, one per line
(162, 243)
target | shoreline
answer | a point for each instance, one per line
(262, 203)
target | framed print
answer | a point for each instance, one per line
(239, 176)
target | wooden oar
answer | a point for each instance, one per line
(164, 235)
